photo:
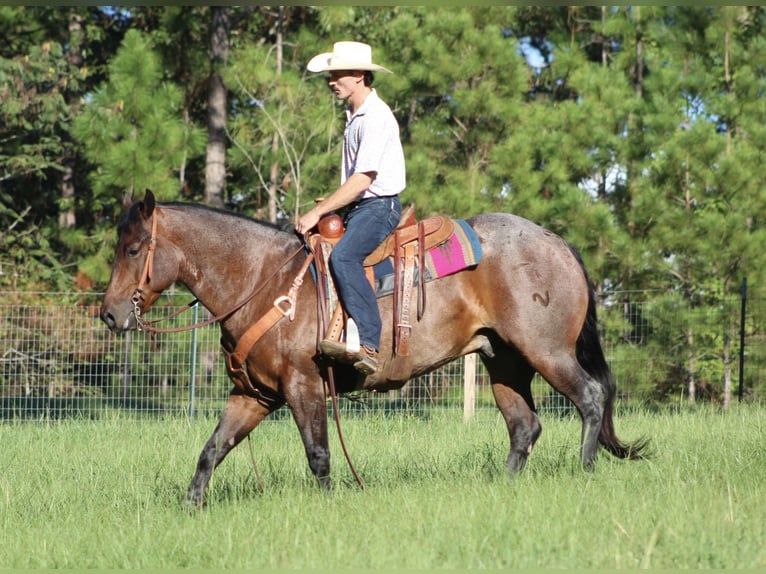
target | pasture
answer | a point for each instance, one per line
(105, 494)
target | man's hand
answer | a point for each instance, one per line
(307, 222)
(341, 197)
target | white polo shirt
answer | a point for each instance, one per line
(371, 143)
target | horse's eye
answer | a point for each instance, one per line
(133, 251)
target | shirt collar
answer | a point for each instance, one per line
(368, 101)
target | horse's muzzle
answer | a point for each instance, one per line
(119, 319)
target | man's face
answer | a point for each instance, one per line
(343, 83)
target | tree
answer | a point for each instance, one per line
(454, 105)
(132, 132)
(284, 132)
(215, 172)
(37, 80)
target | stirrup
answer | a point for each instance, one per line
(337, 351)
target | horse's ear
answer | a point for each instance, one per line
(127, 200)
(149, 203)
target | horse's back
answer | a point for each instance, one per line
(505, 231)
(510, 242)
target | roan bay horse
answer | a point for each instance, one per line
(527, 306)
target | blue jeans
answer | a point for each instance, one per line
(368, 223)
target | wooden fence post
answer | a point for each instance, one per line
(469, 386)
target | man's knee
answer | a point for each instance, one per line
(341, 259)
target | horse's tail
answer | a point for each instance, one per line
(590, 355)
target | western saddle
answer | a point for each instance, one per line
(406, 246)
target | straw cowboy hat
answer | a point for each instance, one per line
(345, 56)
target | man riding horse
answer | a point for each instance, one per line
(372, 177)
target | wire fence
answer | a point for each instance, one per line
(57, 359)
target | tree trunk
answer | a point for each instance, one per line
(727, 371)
(727, 79)
(67, 217)
(274, 174)
(215, 164)
(639, 55)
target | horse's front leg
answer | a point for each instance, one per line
(241, 415)
(308, 402)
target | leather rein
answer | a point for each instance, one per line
(282, 306)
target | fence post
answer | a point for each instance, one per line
(127, 368)
(469, 386)
(743, 313)
(193, 358)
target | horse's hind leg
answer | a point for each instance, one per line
(511, 378)
(241, 415)
(565, 374)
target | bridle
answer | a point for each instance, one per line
(283, 306)
(146, 276)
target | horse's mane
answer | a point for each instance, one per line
(220, 211)
(131, 215)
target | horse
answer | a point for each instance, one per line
(528, 306)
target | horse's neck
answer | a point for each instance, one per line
(225, 258)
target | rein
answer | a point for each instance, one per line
(282, 306)
(285, 305)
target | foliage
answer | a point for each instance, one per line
(27, 261)
(635, 132)
(132, 133)
(280, 114)
(131, 130)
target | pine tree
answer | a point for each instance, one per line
(458, 93)
(704, 173)
(38, 85)
(133, 133)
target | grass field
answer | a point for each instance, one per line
(105, 494)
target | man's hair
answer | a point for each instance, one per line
(369, 78)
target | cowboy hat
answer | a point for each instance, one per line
(345, 56)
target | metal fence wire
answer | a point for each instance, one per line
(57, 359)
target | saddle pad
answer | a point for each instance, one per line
(460, 251)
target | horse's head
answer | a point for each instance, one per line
(139, 273)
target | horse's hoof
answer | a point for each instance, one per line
(191, 503)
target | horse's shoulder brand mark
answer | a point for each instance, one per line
(543, 300)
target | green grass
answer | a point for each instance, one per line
(105, 494)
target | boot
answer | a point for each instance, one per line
(366, 360)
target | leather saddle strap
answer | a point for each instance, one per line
(284, 305)
(421, 270)
(336, 324)
(321, 285)
(241, 379)
(256, 331)
(397, 288)
(331, 293)
(328, 298)
(404, 326)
